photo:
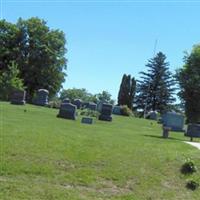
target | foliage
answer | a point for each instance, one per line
(192, 185)
(105, 97)
(38, 51)
(54, 104)
(127, 91)
(126, 111)
(89, 113)
(85, 96)
(75, 93)
(155, 87)
(189, 81)
(9, 81)
(9, 44)
(188, 167)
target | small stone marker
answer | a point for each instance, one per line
(87, 120)
(18, 97)
(78, 103)
(67, 111)
(92, 106)
(193, 130)
(117, 110)
(41, 97)
(173, 120)
(106, 112)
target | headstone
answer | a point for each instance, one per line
(67, 111)
(92, 106)
(41, 97)
(87, 120)
(153, 115)
(173, 120)
(78, 103)
(18, 97)
(106, 112)
(193, 130)
(117, 110)
(66, 100)
(99, 105)
(85, 105)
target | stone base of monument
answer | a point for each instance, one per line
(105, 118)
(193, 131)
(87, 120)
(166, 131)
(18, 102)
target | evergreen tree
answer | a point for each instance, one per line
(155, 88)
(127, 91)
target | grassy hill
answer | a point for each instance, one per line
(44, 157)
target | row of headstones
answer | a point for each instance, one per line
(175, 122)
(68, 111)
(18, 97)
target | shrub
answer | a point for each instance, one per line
(188, 167)
(192, 185)
(125, 111)
(54, 104)
(89, 113)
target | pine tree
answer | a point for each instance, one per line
(127, 91)
(155, 87)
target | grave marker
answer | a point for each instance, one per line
(18, 97)
(67, 111)
(106, 112)
(173, 120)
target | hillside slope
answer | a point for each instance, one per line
(45, 157)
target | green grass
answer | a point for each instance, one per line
(44, 157)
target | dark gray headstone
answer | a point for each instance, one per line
(78, 103)
(18, 97)
(106, 112)
(87, 120)
(173, 120)
(92, 106)
(193, 130)
(66, 100)
(67, 111)
(41, 97)
(117, 110)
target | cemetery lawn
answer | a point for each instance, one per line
(48, 158)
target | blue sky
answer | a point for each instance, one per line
(106, 39)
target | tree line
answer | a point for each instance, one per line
(32, 56)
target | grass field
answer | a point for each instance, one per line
(44, 157)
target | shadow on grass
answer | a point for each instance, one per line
(160, 137)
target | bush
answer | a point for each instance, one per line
(188, 167)
(192, 185)
(125, 111)
(10, 81)
(89, 113)
(54, 104)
